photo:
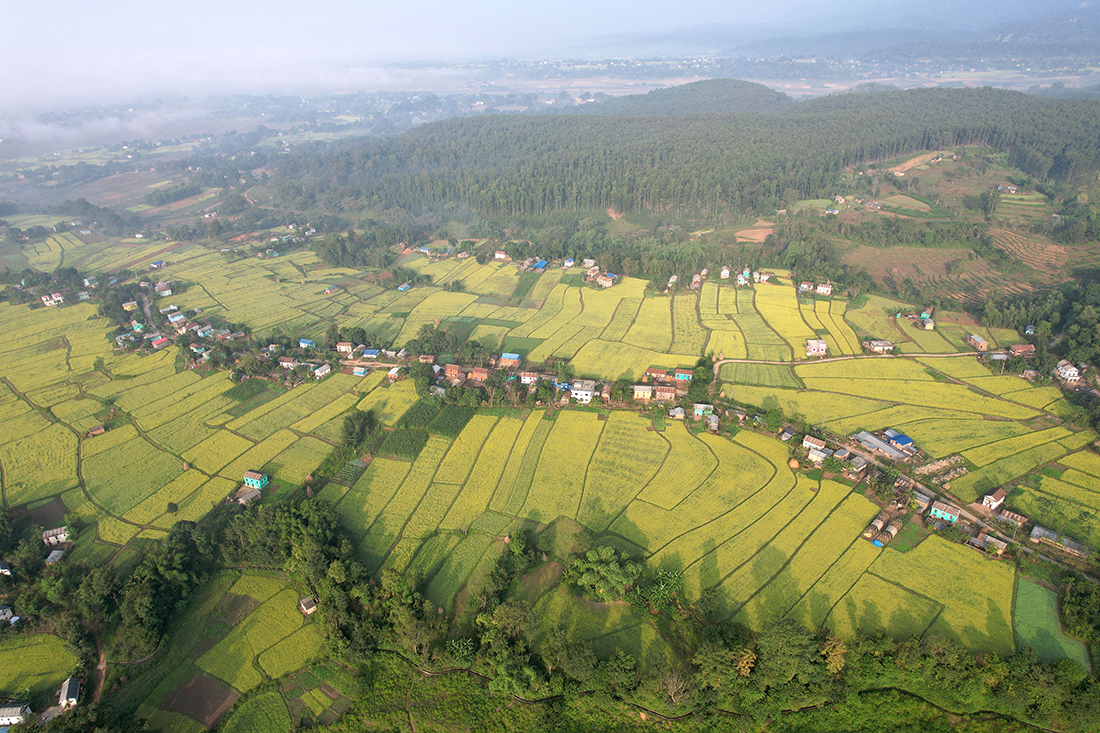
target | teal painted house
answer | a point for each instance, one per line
(255, 479)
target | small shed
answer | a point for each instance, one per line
(307, 605)
(5, 568)
(70, 693)
(677, 413)
(55, 557)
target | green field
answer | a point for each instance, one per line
(1037, 625)
(34, 665)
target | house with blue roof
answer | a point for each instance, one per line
(540, 266)
(404, 288)
(306, 344)
(568, 262)
(371, 353)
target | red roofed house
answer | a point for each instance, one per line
(453, 371)
(655, 374)
(994, 500)
(479, 374)
(345, 347)
(1024, 350)
(664, 392)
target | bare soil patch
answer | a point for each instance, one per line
(917, 161)
(203, 699)
(49, 515)
(758, 232)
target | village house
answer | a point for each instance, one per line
(825, 289)
(989, 543)
(256, 479)
(653, 374)
(928, 324)
(582, 390)
(712, 423)
(371, 353)
(453, 371)
(359, 371)
(683, 375)
(605, 393)
(322, 371)
(696, 281)
(605, 281)
(501, 255)
(245, 495)
(724, 273)
(643, 392)
(994, 500)
(818, 456)
(569, 262)
(588, 262)
(159, 343)
(58, 536)
(55, 557)
(816, 347)
(307, 605)
(903, 442)
(702, 409)
(6, 614)
(540, 266)
(1025, 350)
(393, 374)
(805, 287)
(677, 413)
(664, 392)
(70, 694)
(508, 360)
(305, 344)
(528, 378)
(879, 347)
(345, 347)
(977, 342)
(478, 374)
(1013, 518)
(96, 430)
(946, 512)
(811, 443)
(1067, 372)
(426, 358)
(288, 362)
(923, 501)
(404, 287)
(5, 568)
(876, 445)
(15, 714)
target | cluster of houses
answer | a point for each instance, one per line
(67, 698)
(808, 288)
(251, 489)
(745, 278)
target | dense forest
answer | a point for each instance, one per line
(504, 166)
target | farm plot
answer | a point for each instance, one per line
(234, 658)
(627, 457)
(361, 505)
(987, 478)
(460, 459)
(761, 341)
(778, 304)
(622, 319)
(726, 343)
(764, 375)
(265, 712)
(478, 490)
(939, 437)
(558, 485)
(816, 408)
(815, 324)
(839, 328)
(516, 479)
(123, 477)
(816, 604)
(687, 465)
(975, 592)
(991, 452)
(877, 606)
(919, 393)
(832, 539)
(652, 327)
(548, 312)
(877, 318)
(34, 665)
(688, 336)
(601, 359)
(39, 465)
(439, 305)
(390, 402)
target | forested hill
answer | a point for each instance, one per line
(509, 165)
(699, 97)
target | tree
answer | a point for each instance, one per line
(603, 574)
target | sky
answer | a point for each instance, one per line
(74, 52)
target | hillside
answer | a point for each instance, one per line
(712, 96)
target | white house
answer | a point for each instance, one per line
(15, 714)
(994, 500)
(1067, 372)
(725, 273)
(70, 693)
(813, 443)
(825, 289)
(582, 390)
(816, 347)
(322, 371)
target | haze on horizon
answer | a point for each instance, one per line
(68, 53)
